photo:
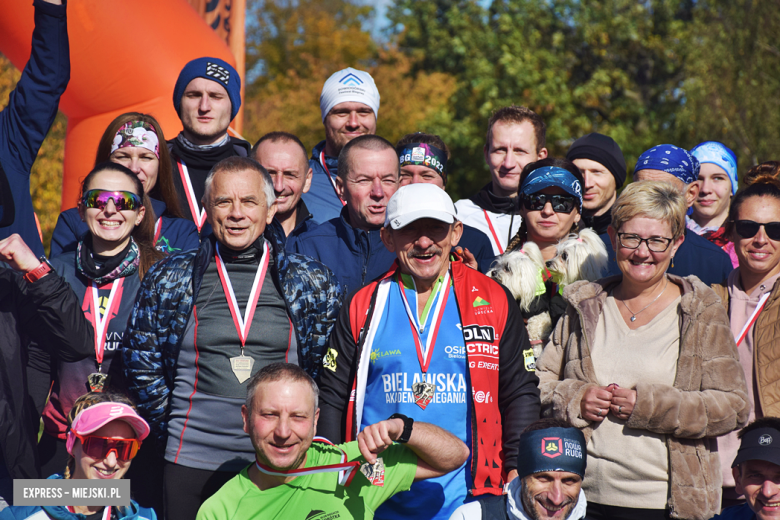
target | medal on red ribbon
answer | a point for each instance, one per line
(242, 365)
(424, 390)
(345, 468)
(330, 177)
(198, 215)
(97, 381)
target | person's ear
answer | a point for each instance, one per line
(612, 237)
(457, 232)
(307, 182)
(737, 474)
(386, 235)
(245, 417)
(692, 192)
(341, 188)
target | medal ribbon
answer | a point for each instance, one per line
(330, 178)
(243, 323)
(346, 469)
(424, 356)
(493, 232)
(198, 216)
(157, 229)
(100, 323)
(753, 318)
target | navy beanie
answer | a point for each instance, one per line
(216, 70)
(552, 449)
(602, 149)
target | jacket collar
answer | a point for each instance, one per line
(355, 235)
(486, 199)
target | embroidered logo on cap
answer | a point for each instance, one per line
(551, 447)
(765, 440)
(218, 72)
(350, 79)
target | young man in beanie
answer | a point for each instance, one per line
(349, 104)
(207, 97)
(550, 469)
(756, 471)
(603, 168)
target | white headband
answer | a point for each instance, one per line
(349, 85)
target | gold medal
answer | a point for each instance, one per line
(375, 473)
(97, 381)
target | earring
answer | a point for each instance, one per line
(672, 262)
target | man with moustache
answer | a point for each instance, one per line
(549, 483)
(437, 341)
(350, 245)
(294, 477)
(283, 155)
(349, 104)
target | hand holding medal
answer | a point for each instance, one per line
(375, 439)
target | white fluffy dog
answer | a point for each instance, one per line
(580, 256)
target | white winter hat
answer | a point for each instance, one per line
(349, 85)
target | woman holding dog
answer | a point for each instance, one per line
(752, 297)
(645, 364)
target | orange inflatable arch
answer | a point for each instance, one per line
(125, 56)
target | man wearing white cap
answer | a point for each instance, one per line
(349, 104)
(438, 342)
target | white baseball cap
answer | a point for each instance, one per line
(415, 201)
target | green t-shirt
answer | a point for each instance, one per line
(314, 497)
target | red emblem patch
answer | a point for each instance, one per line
(551, 447)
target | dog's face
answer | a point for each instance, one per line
(520, 272)
(579, 257)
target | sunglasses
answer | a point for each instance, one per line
(560, 203)
(123, 200)
(748, 228)
(99, 447)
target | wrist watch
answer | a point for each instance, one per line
(40, 271)
(408, 422)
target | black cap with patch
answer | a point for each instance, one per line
(759, 444)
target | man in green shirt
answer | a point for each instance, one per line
(294, 478)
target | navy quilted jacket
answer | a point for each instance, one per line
(163, 308)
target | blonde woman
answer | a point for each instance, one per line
(645, 364)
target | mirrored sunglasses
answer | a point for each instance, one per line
(99, 447)
(123, 200)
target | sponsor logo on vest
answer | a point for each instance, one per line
(530, 360)
(482, 397)
(479, 332)
(329, 361)
(551, 447)
(480, 302)
(376, 355)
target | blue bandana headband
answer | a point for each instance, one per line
(552, 449)
(670, 159)
(552, 176)
(721, 155)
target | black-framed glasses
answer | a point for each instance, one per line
(560, 203)
(654, 244)
(749, 229)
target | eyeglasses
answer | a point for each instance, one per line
(749, 229)
(99, 447)
(654, 244)
(560, 203)
(123, 200)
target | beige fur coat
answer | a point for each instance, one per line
(708, 399)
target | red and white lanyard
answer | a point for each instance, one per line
(100, 323)
(157, 229)
(330, 177)
(346, 469)
(243, 323)
(493, 232)
(198, 216)
(106, 511)
(753, 318)
(424, 355)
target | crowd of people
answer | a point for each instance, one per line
(266, 333)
